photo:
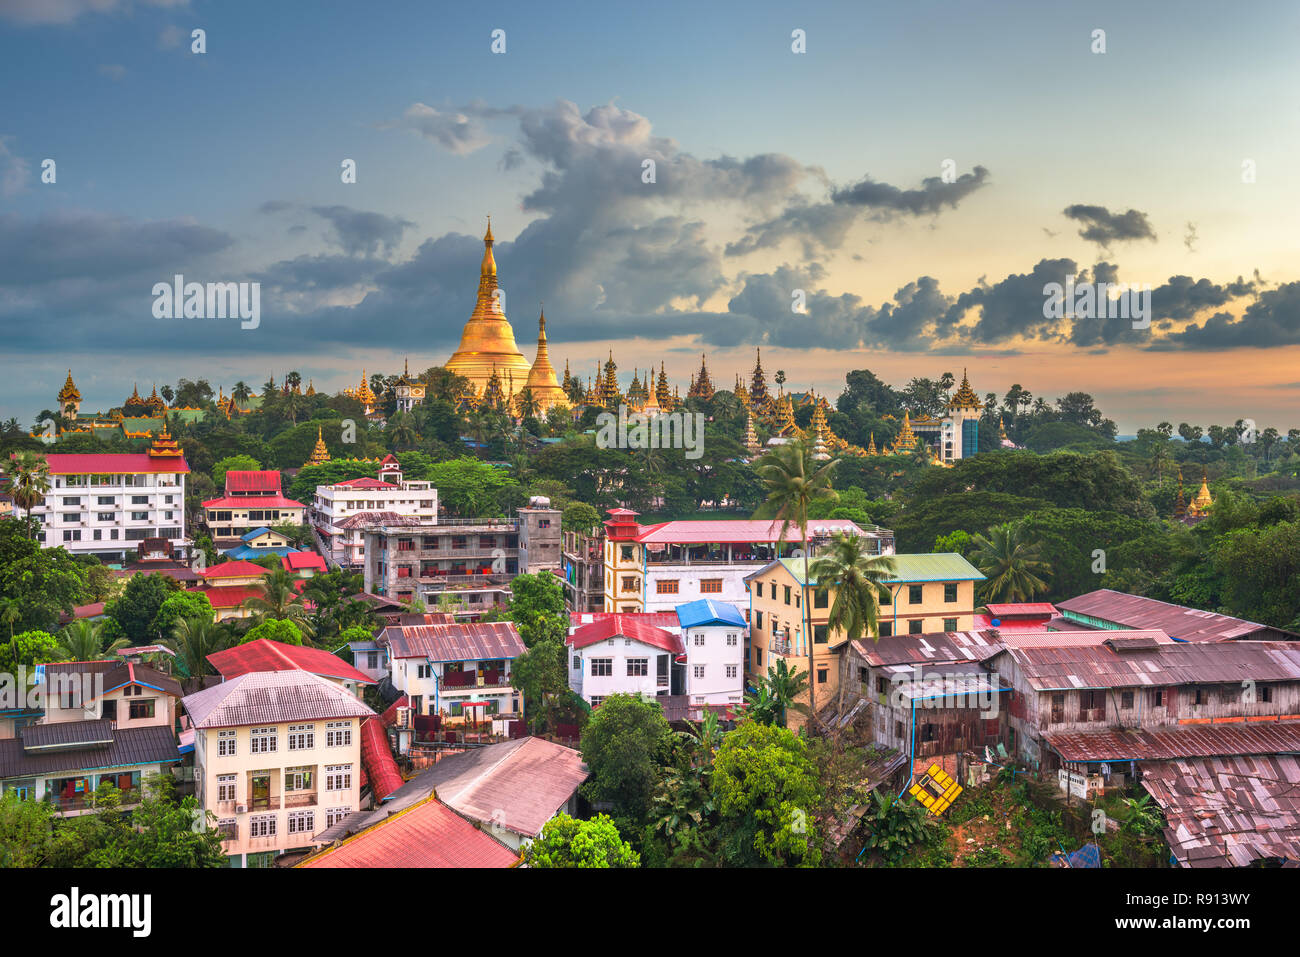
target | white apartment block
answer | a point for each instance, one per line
(333, 505)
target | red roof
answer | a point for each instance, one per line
(660, 619)
(250, 481)
(253, 501)
(428, 835)
(229, 596)
(626, 626)
(112, 463)
(381, 769)
(1036, 609)
(300, 561)
(365, 482)
(1171, 744)
(389, 717)
(719, 531)
(267, 655)
(235, 569)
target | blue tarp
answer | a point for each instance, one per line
(1087, 856)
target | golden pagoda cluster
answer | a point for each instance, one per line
(1199, 507)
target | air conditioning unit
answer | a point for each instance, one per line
(241, 808)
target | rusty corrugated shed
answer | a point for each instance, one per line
(1102, 666)
(1229, 812)
(1186, 741)
(1178, 621)
(462, 641)
(936, 647)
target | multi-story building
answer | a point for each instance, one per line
(230, 584)
(616, 653)
(277, 759)
(341, 511)
(928, 593)
(267, 655)
(252, 500)
(955, 435)
(713, 633)
(459, 671)
(105, 504)
(470, 559)
(583, 557)
(658, 567)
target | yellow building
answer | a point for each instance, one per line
(928, 593)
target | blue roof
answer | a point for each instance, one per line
(249, 536)
(248, 551)
(706, 611)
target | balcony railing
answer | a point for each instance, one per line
(265, 804)
(470, 679)
(778, 646)
(300, 799)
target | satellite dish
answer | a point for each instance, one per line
(996, 622)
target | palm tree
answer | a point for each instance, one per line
(1159, 458)
(84, 641)
(10, 613)
(777, 694)
(292, 405)
(1010, 563)
(794, 480)
(402, 433)
(860, 582)
(29, 480)
(241, 393)
(193, 639)
(280, 599)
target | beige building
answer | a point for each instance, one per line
(277, 759)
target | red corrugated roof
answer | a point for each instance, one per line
(235, 569)
(626, 626)
(299, 561)
(267, 655)
(381, 769)
(1187, 741)
(389, 717)
(659, 619)
(1044, 609)
(720, 531)
(229, 596)
(462, 641)
(364, 482)
(112, 463)
(428, 835)
(253, 481)
(253, 501)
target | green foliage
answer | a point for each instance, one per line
(623, 744)
(40, 582)
(537, 608)
(233, 463)
(275, 629)
(579, 517)
(894, 827)
(138, 605)
(565, 842)
(469, 487)
(178, 605)
(765, 787)
(28, 648)
(958, 542)
(777, 694)
(1011, 562)
(541, 674)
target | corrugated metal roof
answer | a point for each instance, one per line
(1229, 812)
(625, 626)
(1037, 609)
(271, 697)
(1185, 741)
(427, 835)
(377, 757)
(68, 734)
(1100, 666)
(112, 463)
(706, 611)
(117, 674)
(1042, 638)
(723, 531)
(262, 480)
(461, 641)
(131, 746)
(936, 647)
(908, 569)
(1178, 621)
(267, 655)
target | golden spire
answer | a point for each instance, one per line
(541, 377)
(311, 389)
(871, 446)
(906, 440)
(965, 397)
(751, 439)
(69, 391)
(320, 454)
(1201, 503)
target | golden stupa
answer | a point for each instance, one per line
(541, 377)
(488, 342)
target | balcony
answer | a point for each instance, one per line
(778, 646)
(300, 799)
(470, 679)
(265, 804)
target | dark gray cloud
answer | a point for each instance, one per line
(364, 233)
(934, 194)
(1011, 307)
(1273, 319)
(1105, 228)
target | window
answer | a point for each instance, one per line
(625, 552)
(698, 671)
(758, 589)
(710, 586)
(787, 594)
(731, 671)
(950, 624)
(699, 641)
(302, 822)
(335, 814)
(299, 779)
(629, 583)
(338, 777)
(665, 586)
(914, 593)
(1158, 698)
(142, 709)
(1200, 696)
(758, 657)
(602, 667)
(758, 621)
(261, 825)
(596, 700)
(1126, 700)
(1265, 693)
(264, 740)
(139, 499)
(914, 627)
(638, 667)
(226, 743)
(822, 598)
(577, 663)
(732, 640)
(302, 737)
(423, 671)
(104, 516)
(105, 500)
(886, 629)
(338, 734)
(821, 634)
(821, 676)
(226, 784)
(950, 592)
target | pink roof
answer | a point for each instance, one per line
(731, 530)
(626, 626)
(667, 620)
(267, 655)
(1042, 638)
(381, 769)
(253, 501)
(229, 596)
(253, 481)
(364, 482)
(1040, 609)
(983, 622)
(235, 569)
(112, 463)
(428, 835)
(299, 561)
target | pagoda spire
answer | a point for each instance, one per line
(320, 454)
(665, 398)
(751, 439)
(701, 385)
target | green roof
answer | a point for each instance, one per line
(911, 569)
(187, 415)
(142, 424)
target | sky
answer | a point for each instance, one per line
(917, 176)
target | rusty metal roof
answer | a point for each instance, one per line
(941, 646)
(1183, 741)
(1102, 666)
(1042, 638)
(1179, 621)
(271, 697)
(463, 641)
(1229, 812)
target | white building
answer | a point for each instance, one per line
(714, 635)
(106, 504)
(389, 493)
(460, 672)
(625, 654)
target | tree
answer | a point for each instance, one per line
(26, 649)
(537, 608)
(958, 542)
(565, 842)
(178, 605)
(541, 674)
(1010, 563)
(135, 609)
(280, 599)
(858, 578)
(765, 786)
(233, 463)
(29, 480)
(622, 745)
(159, 832)
(579, 517)
(794, 480)
(192, 640)
(43, 583)
(84, 641)
(274, 629)
(778, 694)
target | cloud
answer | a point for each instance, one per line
(170, 37)
(458, 133)
(1272, 320)
(14, 170)
(60, 12)
(1104, 228)
(933, 195)
(114, 71)
(363, 233)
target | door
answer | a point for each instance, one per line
(261, 790)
